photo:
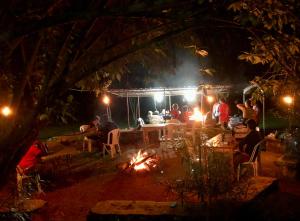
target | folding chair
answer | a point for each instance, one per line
(22, 178)
(253, 161)
(112, 144)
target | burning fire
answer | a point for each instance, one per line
(143, 161)
(197, 115)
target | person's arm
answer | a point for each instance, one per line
(241, 107)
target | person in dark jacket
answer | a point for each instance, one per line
(106, 125)
(247, 144)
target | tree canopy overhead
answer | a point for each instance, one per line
(48, 46)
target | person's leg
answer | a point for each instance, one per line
(239, 157)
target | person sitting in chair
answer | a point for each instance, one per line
(32, 157)
(106, 125)
(28, 163)
(246, 145)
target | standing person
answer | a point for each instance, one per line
(215, 112)
(248, 112)
(175, 113)
(186, 113)
(246, 145)
(223, 113)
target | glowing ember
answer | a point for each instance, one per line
(143, 161)
(197, 115)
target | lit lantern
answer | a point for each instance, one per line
(6, 111)
(106, 100)
(288, 99)
(210, 99)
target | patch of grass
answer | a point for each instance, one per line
(58, 130)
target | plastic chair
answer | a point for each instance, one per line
(253, 161)
(112, 143)
(33, 177)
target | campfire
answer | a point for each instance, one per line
(142, 161)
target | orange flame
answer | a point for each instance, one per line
(197, 115)
(139, 157)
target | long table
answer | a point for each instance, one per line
(161, 130)
(222, 142)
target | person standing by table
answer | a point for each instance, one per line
(175, 113)
(215, 112)
(248, 112)
(223, 113)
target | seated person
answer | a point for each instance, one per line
(106, 125)
(155, 118)
(140, 123)
(246, 145)
(32, 157)
(94, 124)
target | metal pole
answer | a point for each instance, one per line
(264, 123)
(139, 110)
(128, 120)
(201, 101)
(170, 105)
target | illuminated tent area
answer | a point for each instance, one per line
(159, 94)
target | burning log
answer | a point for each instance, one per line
(140, 162)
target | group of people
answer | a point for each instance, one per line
(221, 112)
(182, 115)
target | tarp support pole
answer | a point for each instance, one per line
(201, 101)
(139, 110)
(264, 124)
(127, 102)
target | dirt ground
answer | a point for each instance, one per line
(72, 199)
(71, 192)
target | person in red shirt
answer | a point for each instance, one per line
(224, 113)
(186, 113)
(32, 156)
(175, 113)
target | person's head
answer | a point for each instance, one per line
(251, 124)
(156, 112)
(175, 106)
(247, 103)
(104, 119)
(42, 146)
(222, 100)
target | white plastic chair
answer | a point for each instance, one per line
(253, 161)
(112, 143)
(32, 178)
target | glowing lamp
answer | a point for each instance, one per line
(210, 99)
(190, 96)
(106, 100)
(6, 111)
(197, 115)
(158, 97)
(288, 99)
